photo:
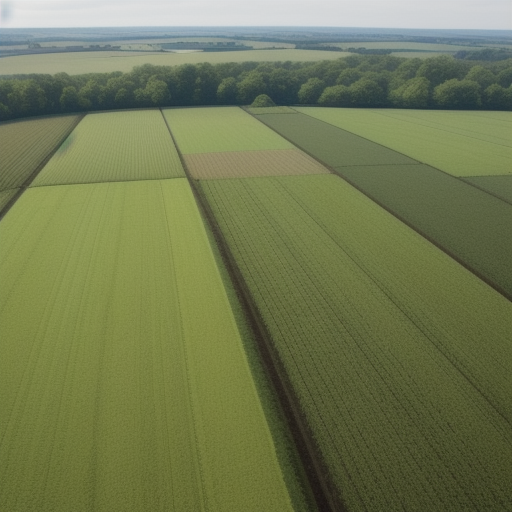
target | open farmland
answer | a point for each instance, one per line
(78, 63)
(26, 145)
(466, 143)
(255, 334)
(115, 146)
(394, 389)
(468, 223)
(125, 383)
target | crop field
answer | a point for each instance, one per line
(409, 405)
(116, 146)
(240, 164)
(221, 129)
(26, 144)
(125, 385)
(466, 143)
(500, 186)
(308, 319)
(78, 63)
(468, 223)
(334, 146)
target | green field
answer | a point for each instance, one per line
(116, 146)
(410, 405)
(500, 186)
(212, 130)
(125, 385)
(466, 143)
(469, 223)
(26, 144)
(78, 63)
(405, 45)
(322, 342)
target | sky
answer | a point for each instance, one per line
(442, 14)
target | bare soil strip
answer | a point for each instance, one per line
(322, 487)
(38, 169)
(251, 164)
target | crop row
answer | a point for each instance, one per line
(25, 145)
(120, 146)
(124, 381)
(393, 388)
(469, 223)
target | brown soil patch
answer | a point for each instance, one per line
(249, 164)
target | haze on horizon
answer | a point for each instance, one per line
(435, 14)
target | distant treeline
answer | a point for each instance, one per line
(354, 81)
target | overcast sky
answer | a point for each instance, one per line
(450, 14)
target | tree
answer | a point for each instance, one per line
(26, 98)
(157, 92)
(310, 91)
(251, 86)
(458, 94)
(440, 69)
(336, 96)
(482, 76)
(367, 93)
(412, 94)
(505, 77)
(349, 76)
(263, 101)
(88, 95)
(69, 99)
(497, 97)
(227, 91)
(282, 86)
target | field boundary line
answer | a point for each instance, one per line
(323, 490)
(483, 189)
(458, 178)
(474, 271)
(39, 168)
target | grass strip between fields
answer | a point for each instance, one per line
(399, 356)
(125, 382)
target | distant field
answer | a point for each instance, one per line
(407, 403)
(116, 146)
(405, 45)
(125, 385)
(245, 164)
(220, 129)
(462, 143)
(500, 186)
(77, 63)
(25, 145)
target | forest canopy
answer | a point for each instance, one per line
(440, 82)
